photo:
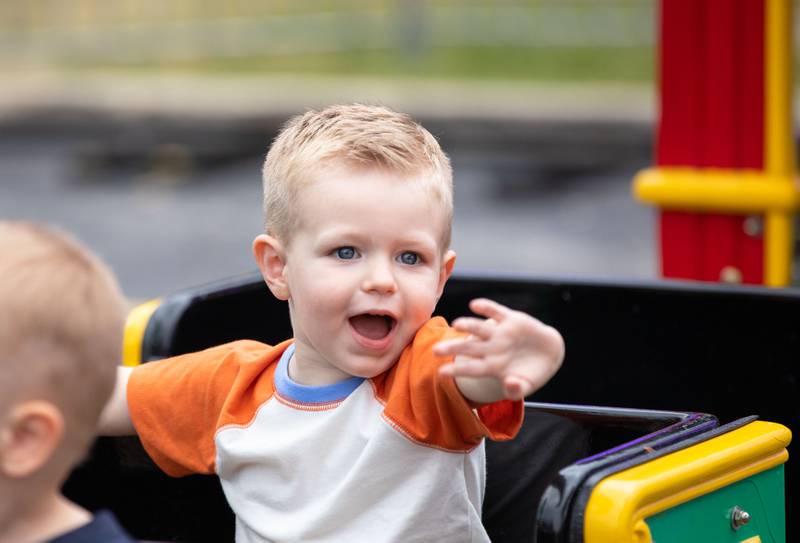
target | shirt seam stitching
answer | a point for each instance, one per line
(233, 425)
(308, 406)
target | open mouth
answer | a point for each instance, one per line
(373, 328)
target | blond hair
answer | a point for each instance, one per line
(357, 136)
(61, 322)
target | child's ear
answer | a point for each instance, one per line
(271, 259)
(29, 437)
(448, 262)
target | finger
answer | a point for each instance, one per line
(490, 308)
(477, 327)
(467, 368)
(462, 347)
(442, 348)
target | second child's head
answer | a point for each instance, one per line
(358, 202)
(61, 328)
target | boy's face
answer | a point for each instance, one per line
(364, 270)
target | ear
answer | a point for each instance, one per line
(29, 437)
(448, 262)
(271, 259)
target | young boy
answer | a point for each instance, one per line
(361, 427)
(60, 331)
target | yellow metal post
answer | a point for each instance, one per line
(779, 156)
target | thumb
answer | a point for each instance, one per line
(514, 388)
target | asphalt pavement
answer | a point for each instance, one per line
(168, 191)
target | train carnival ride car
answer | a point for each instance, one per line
(692, 462)
(658, 430)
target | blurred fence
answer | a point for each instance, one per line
(96, 32)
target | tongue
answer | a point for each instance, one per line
(371, 326)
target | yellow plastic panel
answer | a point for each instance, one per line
(135, 326)
(619, 504)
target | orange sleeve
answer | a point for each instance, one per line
(430, 409)
(177, 404)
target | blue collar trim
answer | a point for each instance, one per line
(310, 394)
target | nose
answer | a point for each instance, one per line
(379, 277)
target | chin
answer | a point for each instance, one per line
(370, 370)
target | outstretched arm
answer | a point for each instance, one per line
(115, 419)
(508, 355)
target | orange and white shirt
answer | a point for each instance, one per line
(398, 457)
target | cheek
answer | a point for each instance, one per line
(318, 292)
(422, 294)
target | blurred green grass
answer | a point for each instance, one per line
(625, 64)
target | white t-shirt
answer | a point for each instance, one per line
(398, 457)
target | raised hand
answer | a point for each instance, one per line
(507, 355)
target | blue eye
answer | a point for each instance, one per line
(345, 253)
(409, 258)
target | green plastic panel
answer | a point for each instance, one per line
(707, 519)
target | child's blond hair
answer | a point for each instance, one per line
(356, 136)
(61, 323)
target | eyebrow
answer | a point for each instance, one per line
(337, 234)
(421, 240)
